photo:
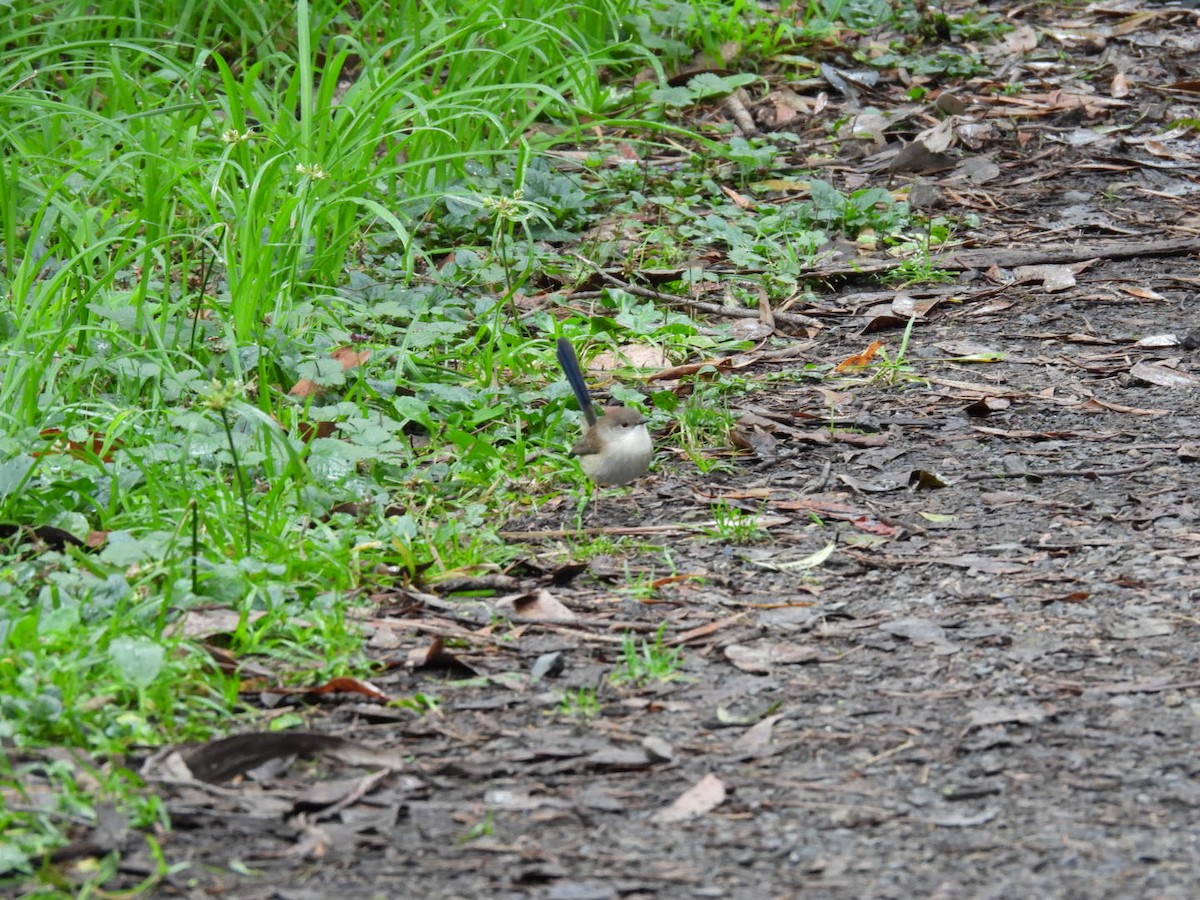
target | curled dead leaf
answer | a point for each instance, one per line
(1163, 376)
(859, 360)
(541, 606)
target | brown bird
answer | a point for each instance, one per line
(615, 447)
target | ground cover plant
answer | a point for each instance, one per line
(284, 458)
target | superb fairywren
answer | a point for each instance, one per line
(615, 447)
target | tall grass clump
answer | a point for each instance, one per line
(189, 196)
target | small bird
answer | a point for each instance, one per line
(615, 448)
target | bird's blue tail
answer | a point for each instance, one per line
(570, 366)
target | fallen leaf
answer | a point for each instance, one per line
(970, 351)
(738, 200)
(859, 360)
(1153, 373)
(924, 480)
(920, 631)
(1095, 404)
(1143, 293)
(340, 685)
(704, 796)
(639, 356)
(1001, 714)
(755, 439)
(962, 819)
(907, 307)
(757, 737)
(201, 622)
(985, 406)
(224, 758)
(304, 388)
(1054, 278)
(765, 655)
(538, 607)
(1141, 628)
(349, 357)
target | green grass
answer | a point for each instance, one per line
(643, 662)
(580, 703)
(735, 526)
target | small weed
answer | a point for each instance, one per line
(644, 661)
(580, 703)
(735, 526)
(639, 586)
(919, 270)
(485, 827)
(893, 370)
(419, 703)
(704, 422)
(609, 545)
(919, 267)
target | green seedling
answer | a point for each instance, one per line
(639, 586)
(643, 661)
(580, 703)
(485, 827)
(423, 704)
(735, 526)
(895, 369)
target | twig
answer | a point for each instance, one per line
(737, 108)
(1059, 473)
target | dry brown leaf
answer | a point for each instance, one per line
(787, 105)
(765, 655)
(704, 796)
(203, 622)
(349, 357)
(757, 737)
(1095, 404)
(739, 200)
(940, 137)
(1054, 278)
(639, 356)
(908, 307)
(539, 607)
(1154, 373)
(756, 439)
(305, 387)
(1186, 87)
(1143, 293)
(859, 360)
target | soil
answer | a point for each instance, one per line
(959, 660)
